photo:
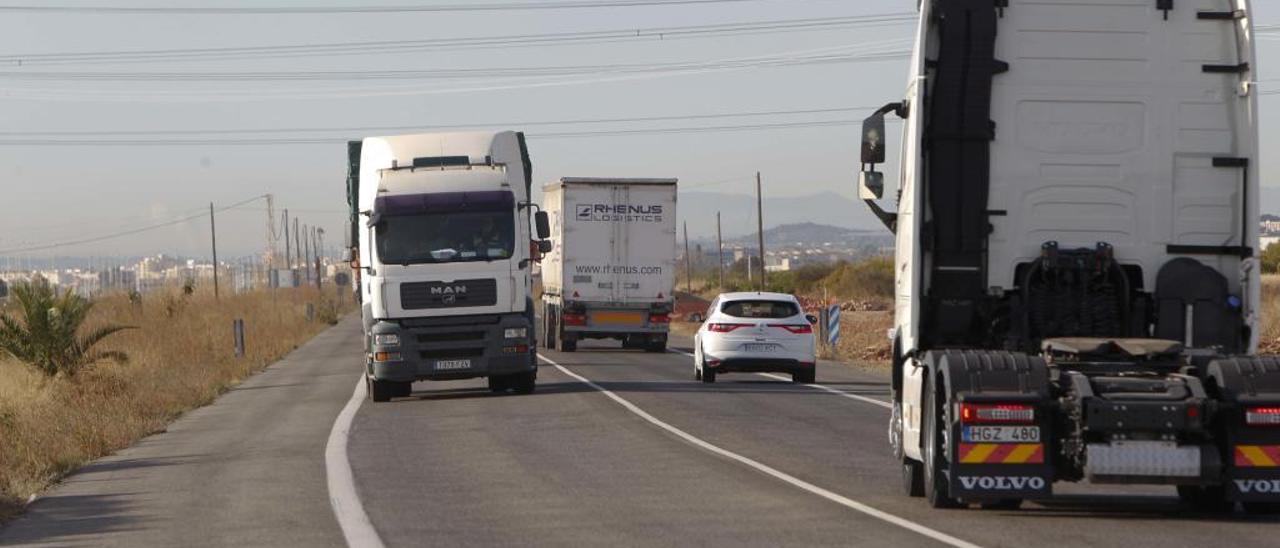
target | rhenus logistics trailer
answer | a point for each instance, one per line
(1077, 253)
(611, 272)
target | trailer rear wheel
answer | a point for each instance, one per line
(657, 347)
(549, 324)
(936, 489)
(567, 344)
(805, 376)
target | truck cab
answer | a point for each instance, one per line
(1078, 286)
(443, 229)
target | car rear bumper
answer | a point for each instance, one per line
(739, 363)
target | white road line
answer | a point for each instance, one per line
(860, 398)
(356, 527)
(768, 470)
(857, 397)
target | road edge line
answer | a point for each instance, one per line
(815, 386)
(357, 529)
(768, 470)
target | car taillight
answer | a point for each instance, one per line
(659, 318)
(725, 327)
(798, 329)
(574, 319)
(1262, 416)
(1002, 413)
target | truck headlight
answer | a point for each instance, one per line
(515, 332)
(386, 339)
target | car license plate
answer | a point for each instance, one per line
(753, 347)
(452, 365)
(1001, 434)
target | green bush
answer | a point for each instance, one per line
(48, 336)
(1271, 259)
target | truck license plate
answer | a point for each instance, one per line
(1001, 434)
(452, 365)
(752, 347)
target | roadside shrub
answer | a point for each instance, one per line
(48, 335)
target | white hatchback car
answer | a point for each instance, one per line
(758, 333)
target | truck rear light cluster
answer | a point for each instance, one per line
(725, 327)
(997, 413)
(1262, 416)
(659, 318)
(574, 319)
(798, 329)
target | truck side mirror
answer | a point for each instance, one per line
(545, 246)
(542, 224)
(873, 139)
(870, 185)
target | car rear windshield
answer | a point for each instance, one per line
(773, 310)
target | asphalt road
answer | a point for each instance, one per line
(658, 460)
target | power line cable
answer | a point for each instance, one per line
(270, 141)
(364, 130)
(446, 73)
(402, 46)
(426, 8)
(206, 95)
(95, 239)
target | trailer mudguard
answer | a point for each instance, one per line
(1252, 453)
(980, 470)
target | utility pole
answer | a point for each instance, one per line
(319, 247)
(288, 244)
(213, 234)
(688, 262)
(720, 251)
(297, 243)
(306, 252)
(760, 226)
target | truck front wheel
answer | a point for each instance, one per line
(383, 391)
(523, 383)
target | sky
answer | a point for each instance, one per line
(62, 183)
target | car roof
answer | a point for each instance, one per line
(757, 296)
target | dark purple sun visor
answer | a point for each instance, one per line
(445, 202)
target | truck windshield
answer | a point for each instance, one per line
(446, 237)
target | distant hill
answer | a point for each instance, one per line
(809, 234)
(738, 213)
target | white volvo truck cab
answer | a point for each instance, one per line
(445, 252)
(1077, 238)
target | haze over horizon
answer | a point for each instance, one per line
(80, 149)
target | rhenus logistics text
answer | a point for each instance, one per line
(620, 213)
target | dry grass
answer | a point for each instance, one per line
(182, 357)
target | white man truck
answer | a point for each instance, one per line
(611, 271)
(444, 251)
(1077, 253)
